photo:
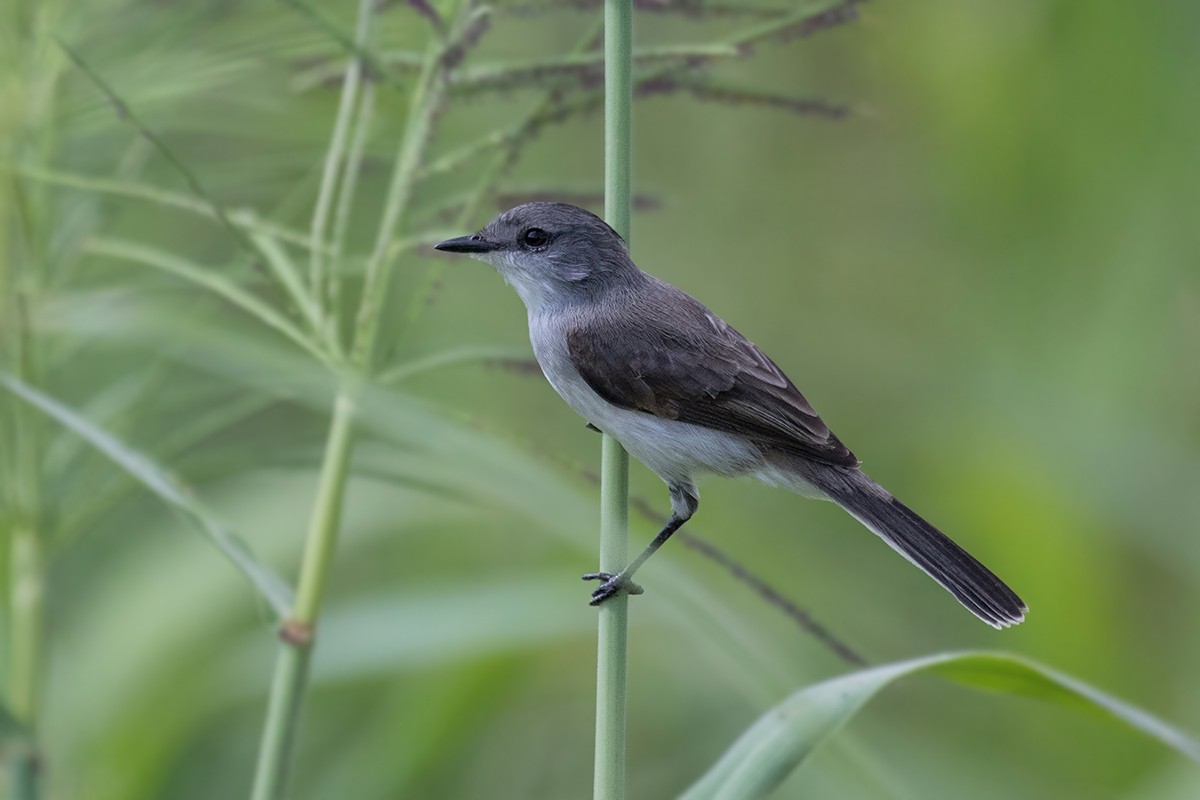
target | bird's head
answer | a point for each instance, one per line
(553, 254)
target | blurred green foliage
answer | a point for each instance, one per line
(986, 278)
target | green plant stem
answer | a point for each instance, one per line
(26, 605)
(611, 662)
(364, 54)
(291, 669)
(25, 559)
(333, 160)
(426, 98)
(345, 202)
(26, 593)
(327, 512)
(296, 634)
(283, 712)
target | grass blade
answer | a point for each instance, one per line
(165, 198)
(214, 282)
(459, 355)
(783, 738)
(161, 483)
(333, 162)
(288, 275)
(123, 110)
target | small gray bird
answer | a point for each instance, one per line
(687, 394)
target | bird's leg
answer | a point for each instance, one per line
(683, 505)
(622, 581)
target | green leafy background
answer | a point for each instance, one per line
(986, 278)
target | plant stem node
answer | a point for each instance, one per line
(296, 633)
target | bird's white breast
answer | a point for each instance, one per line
(675, 450)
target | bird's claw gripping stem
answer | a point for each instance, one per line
(610, 586)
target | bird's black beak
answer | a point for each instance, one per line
(466, 244)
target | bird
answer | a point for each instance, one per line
(688, 395)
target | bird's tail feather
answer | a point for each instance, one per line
(971, 583)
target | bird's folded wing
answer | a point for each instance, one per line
(693, 367)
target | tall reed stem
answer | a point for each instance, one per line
(611, 659)
(22, 270)
(26, 633)
(291, 669)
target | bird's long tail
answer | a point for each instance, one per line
(973, 584)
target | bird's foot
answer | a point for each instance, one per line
(610, 586)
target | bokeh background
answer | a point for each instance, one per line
(985, 278)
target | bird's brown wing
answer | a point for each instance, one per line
(689, 365)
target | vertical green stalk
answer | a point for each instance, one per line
(26, 634)
(346, 194)
(25, 266)
(26, 605)
(425, 100)
(26, 568)
(609, 781)
(327, 515)
(291, 668)
(333, 160)
(614, 474)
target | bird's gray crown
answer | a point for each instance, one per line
(551, 253)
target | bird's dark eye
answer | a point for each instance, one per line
(535, 237)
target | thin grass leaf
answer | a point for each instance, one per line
(104, 404)
(125, 112)
(214, 282)
(330, 73)
(158, 481)
(448, 162)
(378, 68)
(220, 415)
(716, 92)
(584, 67)
(461, 355)
(332, 167)
(288, 275)
(699, 9)
(347, 187)
(785, 736)
(242, 218)
(802, 21)
(425, 103)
